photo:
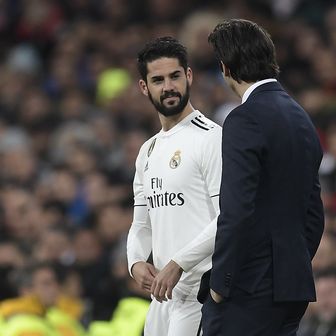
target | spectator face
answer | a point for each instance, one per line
(34, 106)
(63, 73)
(331, 141)
(19, 213)
(331, 25)
(73, 105)
(325, 255)
(54, 246)
(95, 188)
(117, 11)
(326, 303)
(45, 286)
(80, 160)
(63, 186)
(19, 164)
(72, 285)
(104, 132)
(10, 255)
(112, 223)
(165, 10)
(12, 87)
(324, 66)
(132, 144)
(87, 247)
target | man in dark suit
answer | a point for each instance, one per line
(271, 218)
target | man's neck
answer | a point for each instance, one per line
(171, 121)
(240, 88)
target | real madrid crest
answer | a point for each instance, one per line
(175, 160)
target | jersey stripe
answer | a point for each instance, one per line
(201, 121)
(200, 126)
(199, 331)
(140, 205)
(214, 195)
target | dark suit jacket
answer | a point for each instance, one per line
(271, 218)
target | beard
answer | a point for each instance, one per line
(168, 111)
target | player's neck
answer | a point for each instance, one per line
(169, 122)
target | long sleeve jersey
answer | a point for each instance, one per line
(176, 193)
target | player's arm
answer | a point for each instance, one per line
(139, 248)
(139, 240)
(211, 167)
(202, 246)
(183, 261)
(210, 162)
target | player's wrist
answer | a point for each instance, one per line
(177, 266)
(134, 264)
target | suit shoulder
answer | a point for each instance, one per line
(243, 119)
(243, 112)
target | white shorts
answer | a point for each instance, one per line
(173, 318)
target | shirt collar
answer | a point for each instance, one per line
(254, 86)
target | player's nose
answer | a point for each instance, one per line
(168, 85)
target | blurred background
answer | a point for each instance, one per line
(72, 120)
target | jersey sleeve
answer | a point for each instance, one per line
(211, 166)
(139, 240)
(198, 249)
(211, 162)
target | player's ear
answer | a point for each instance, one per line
(143, 87)
(189, 75)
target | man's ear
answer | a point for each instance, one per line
(225, 70)
(189, 75)
(143, 87)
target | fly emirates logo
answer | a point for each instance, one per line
(162, 198)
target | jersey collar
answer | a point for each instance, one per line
(180, 125)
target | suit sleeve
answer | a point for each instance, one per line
(242, 150)
(139, 240)
(315, 219)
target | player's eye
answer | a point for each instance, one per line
(157, 80)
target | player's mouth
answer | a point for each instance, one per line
(170, 97)
(171, 100)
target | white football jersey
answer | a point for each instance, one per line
(176, 197)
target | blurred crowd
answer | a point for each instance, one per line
(72, 120)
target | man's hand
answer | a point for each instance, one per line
(165, 281)
(215, 296)
(144, 274)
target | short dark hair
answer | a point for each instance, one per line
(161, 47)
(246, 49)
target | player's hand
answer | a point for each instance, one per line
(165, 281)
(144, 274)
(215, 296)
